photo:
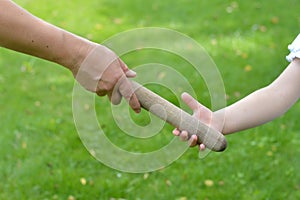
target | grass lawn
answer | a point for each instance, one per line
(42, 156)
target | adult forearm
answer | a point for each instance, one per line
(23, 32)
(95, 67)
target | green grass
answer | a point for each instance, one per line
(42, 156)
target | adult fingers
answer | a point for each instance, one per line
(103, 88)
(115, 97)
(125, 89)
(135, 104)
(123, 65)
(130, 74)
(101, 92)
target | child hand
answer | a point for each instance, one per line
(202, 113)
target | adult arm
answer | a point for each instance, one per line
(102, 71)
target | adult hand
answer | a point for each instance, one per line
(95, 67)
(104, 73)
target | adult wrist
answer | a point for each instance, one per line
(74, 50)
(294, 48)
(79, 54)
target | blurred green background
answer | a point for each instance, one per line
(42, 156)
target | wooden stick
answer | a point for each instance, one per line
(180, 119)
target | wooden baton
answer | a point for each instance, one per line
(178, 118)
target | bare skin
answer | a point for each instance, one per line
(258, 108)
(23, 32)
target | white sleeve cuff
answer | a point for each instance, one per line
(294, 49)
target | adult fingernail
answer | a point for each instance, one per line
(130, 73)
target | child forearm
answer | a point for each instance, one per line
(265, 104)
